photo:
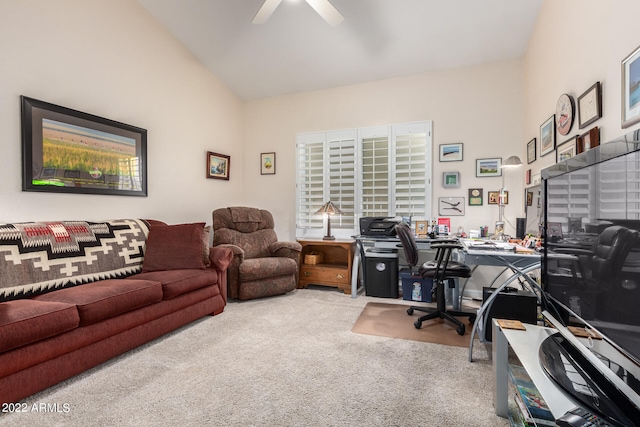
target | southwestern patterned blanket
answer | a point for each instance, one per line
(37, 257)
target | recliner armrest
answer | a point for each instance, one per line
(237, 250)
(286, 249)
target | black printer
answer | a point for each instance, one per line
(378, 226)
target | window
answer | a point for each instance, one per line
(378, 171)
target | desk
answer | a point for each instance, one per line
(519, 264)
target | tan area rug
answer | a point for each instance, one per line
(392, 320)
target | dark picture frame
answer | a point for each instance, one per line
(494, 197)
(451, 152)
(268, 163)
(588, 140)
(69, 151)
(590, 106)
(531, 151)
(218, 165)
(631, 89)
(548, 136)
(475, 197)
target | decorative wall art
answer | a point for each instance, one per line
(218, 165)
(631, 89)
(564, 114)
(566, 150)
(68, 151)
(451, 206)
(531, 151)
(527, 177)
(588, 140)
(489, 167)
(547, 136)
(494, 197)
(422, 227)
(451, 179)
(590, 106)
(451, 152)
(268, 163)
(475, 197)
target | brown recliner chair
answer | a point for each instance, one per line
(262, 265)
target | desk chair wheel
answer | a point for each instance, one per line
(410, 311)
(472, 319)
(460, 330)
(418, 324)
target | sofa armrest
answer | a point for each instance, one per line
(220, 257)
(235, 250)
(286, 249)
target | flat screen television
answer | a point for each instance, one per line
(591, 278)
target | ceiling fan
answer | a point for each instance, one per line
(325, 9)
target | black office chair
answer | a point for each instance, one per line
(441, 269)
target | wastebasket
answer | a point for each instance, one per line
(381, 273)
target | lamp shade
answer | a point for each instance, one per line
(329, 208)
(511, 162)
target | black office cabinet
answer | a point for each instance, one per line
(515, 305)
(381, 273)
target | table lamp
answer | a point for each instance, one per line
(329, 209)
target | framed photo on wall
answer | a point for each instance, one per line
(566, 150)
(451, 206)
(489, 167)
(268, 163)
(631, 89)
(68, 151)
(531, 151)
(548, 136)
(451, 179)
(451, 152)
(590, 106)
(218, 165)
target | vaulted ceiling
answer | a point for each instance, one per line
(297, 51)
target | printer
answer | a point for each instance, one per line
(378, 226)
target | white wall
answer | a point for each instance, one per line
(575, 44)
(112, 59)
(480, 106)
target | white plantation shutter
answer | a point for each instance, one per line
(377, 171)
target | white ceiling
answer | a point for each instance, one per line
(297, 51)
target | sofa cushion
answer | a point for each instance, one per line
(174, 247)
(26, 321)
(259, 268)
(107, 298)
(178, 282)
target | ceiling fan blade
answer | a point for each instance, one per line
(328, 12)
(265, 12)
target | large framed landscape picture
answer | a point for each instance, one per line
(631, 89)
(68, 151)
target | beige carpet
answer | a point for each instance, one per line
(289, 361)
(392, 320)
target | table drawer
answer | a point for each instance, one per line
(324, 274)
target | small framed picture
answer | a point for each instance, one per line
(421, 228)
(218, 165)
(475, 197)
(527, 177)
(531, 151)
(554, 229)
(268, 163)
(451, 152)
(451, 206)
(529, 198)
(451, 179)
(489, 167)
(588, 140)
(566, 150)
(548, 136)
(494, 197)
(590, 106)
(631, 89)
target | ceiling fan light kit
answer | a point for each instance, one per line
(323, 7)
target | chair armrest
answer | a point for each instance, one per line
(220, 257)
(573, 251)
(447, 245)
(236, 250)
(286, 249)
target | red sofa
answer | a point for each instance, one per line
(76, 294)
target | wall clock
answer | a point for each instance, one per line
(564, 114)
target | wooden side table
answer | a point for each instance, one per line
(328, 263)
